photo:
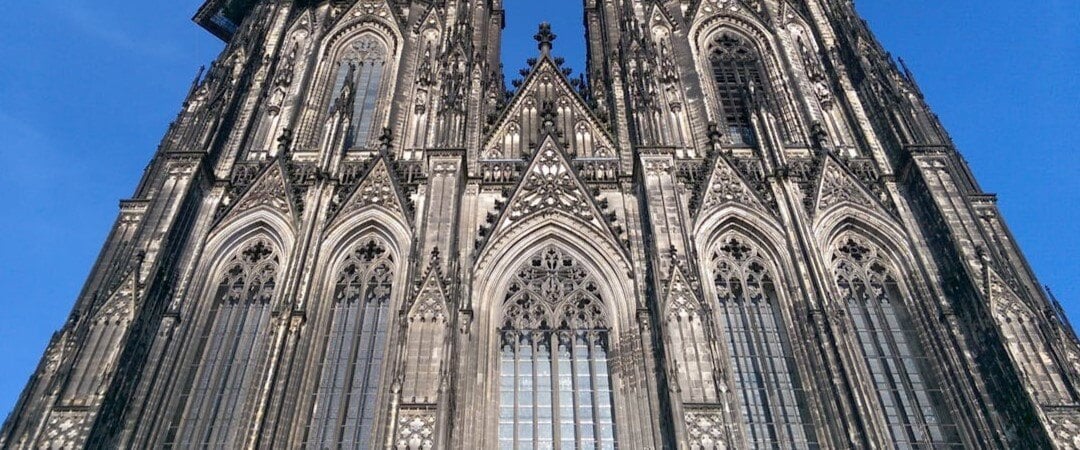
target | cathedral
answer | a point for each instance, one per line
(741, 227)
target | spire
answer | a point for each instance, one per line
(545, 37)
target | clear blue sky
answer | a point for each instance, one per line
(87, 89)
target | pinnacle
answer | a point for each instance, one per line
(544, 37)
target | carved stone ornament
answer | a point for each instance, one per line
(120, 306)
(376, 189)
(66, 429)
(1064, 428)
(837, 187)
(415, 430)
(430, 304)
(1006, 305)
(375, 8)
(574, 120)
(550, 183)
(270, 190)
(682, 302)
(552, 290)
(726, 186)
(705, 430)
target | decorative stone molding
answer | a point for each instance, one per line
(705, 429)
(415, 430)
(66, 429)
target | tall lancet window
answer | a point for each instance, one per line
(736, 72)
(771, 398)
(235, 344)
(555, 388)
(362, 66)
(910, 399)
(354, 345)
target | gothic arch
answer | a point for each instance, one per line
(752, 289)
(233, 327)
(371, 222)
(616, 290)
(876, 295)
(880, 229)
(779, 87)
(591, 247)
(229, 238)
(356, 294)
(609, 305)
(276, 225)
(763, 234)
(378, 219)
(327, 73)
(491, 279)
(753, 221)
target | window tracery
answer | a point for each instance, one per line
(737, 74)
(353, 350)
(235, 346)
(555, 386)
(362, 65)
(911, 400)
(771, 396)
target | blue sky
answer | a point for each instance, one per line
(87, 89)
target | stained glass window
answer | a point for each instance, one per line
(235, 343)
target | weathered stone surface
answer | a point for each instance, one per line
(742, 228)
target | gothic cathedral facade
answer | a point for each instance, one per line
(741, 227)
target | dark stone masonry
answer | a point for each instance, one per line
(742, 227)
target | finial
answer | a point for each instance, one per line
(386, 138)
(818, 135)
(714, 135)
(285, 141)
(545, 37)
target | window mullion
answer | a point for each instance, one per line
(535, 343)
(553, 346)
(591, 337)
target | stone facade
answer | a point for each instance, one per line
(741, 227)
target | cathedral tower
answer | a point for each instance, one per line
(741, 227)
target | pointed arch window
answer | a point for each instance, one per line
(361, 69)
(234, 351)
(554, 382)
(771, 396)
(736, 70)
(354, 346)
(911, 401)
